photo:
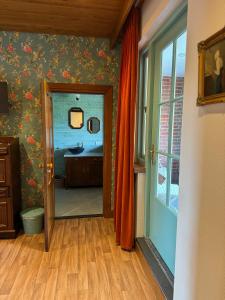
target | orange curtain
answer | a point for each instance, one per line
(124, 162)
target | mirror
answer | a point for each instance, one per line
(76, 118)
(93, 125)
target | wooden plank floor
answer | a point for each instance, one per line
(83, 263)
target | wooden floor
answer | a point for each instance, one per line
(83, 263)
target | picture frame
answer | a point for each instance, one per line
(211, 69)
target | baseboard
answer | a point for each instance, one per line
(161, 272)
(8, 234)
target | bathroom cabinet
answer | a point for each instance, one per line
(10, 189)
(84, 171)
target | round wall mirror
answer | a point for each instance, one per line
(93, 125)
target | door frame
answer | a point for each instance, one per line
(107, 92)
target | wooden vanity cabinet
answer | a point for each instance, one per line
(10, 188)
(84, 171)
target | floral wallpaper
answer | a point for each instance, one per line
(25, 59)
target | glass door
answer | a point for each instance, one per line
(164, 145)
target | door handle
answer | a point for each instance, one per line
(152, 154)
(50, 172)
(50, 165)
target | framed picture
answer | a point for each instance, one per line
(211, 81)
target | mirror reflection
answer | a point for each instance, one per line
(93, 125)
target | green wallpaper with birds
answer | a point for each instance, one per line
(26, 59)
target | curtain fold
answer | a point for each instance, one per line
(124, 161)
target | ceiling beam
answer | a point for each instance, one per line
(125, 10)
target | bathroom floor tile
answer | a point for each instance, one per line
(78, 201)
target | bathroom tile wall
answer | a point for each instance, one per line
(65, 136)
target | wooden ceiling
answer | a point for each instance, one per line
(98, 18)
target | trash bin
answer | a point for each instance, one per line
(32, 220)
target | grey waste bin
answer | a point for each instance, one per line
(32, 220)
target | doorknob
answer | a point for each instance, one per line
(50, 165)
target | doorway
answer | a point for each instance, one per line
(163, 160)
(78, 129)
(75, 117)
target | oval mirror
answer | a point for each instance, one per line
(93, 125)
(76, 118)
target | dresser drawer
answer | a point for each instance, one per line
(4, 171)
(3, 215)
(3, 150)
(4, 192)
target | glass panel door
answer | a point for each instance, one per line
(164, 147)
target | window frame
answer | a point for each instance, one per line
(142, 106)
(173, 99)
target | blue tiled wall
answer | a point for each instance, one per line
(65, 136)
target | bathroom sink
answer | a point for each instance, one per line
(76, 150)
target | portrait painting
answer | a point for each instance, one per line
(212, 69)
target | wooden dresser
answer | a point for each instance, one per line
(10, 188)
